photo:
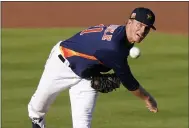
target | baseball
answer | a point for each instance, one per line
(134, 52)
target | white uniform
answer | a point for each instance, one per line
(57, 77)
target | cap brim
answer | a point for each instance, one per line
(154, 28)
(151, 26)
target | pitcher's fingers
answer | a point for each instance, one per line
(157, 110)
(154, 110)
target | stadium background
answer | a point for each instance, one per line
(171, 16)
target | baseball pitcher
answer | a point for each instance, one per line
(81, 63)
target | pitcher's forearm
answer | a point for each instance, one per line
(141, 93)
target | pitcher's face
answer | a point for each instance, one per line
(137, 30)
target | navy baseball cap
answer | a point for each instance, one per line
(144, 15)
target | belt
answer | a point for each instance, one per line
(61, 58)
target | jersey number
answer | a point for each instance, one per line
(99, 28)
(91, 30)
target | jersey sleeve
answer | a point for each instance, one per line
(120, 66)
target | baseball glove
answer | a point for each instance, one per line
(105, 83)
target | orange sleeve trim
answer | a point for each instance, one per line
(69, 53)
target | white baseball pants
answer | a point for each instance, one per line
(57, 77)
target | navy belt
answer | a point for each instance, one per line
(61, 58)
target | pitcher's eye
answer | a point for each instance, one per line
(147, 28)
(139, 25)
